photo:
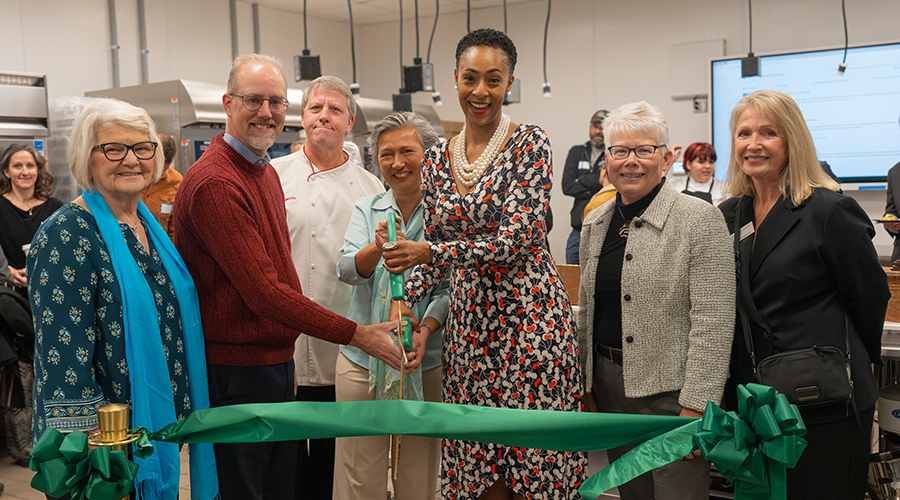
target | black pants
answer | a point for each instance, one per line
(254, 471)
(315, 460)
(835, 463)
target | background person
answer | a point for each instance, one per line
(117, 319)
(581, 179)
(160, 196)
(26, 186)
(893, 179)
(657, 306)
(231, 229)
(809, 264)
(606, 193)
(321, 183)
(700, 165)
(361, 464)
(485, 194)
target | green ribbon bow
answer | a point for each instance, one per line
(754, 447)
(751, 448)
(64, 464)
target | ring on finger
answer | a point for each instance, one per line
(389, 246)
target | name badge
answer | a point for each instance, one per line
(584, 165)
(746, 231)
(165, 208)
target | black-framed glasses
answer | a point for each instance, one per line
(644, 151)
(114, 151)
(255, 101)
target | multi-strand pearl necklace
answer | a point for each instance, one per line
(467, 174)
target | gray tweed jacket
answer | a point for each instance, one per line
(678, 292)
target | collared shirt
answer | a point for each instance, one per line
(246, 152)
(371, 299)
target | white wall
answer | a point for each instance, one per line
(69, 41)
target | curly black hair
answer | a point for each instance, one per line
(488, 37)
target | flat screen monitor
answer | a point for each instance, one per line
(853, 118)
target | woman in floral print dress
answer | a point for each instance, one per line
(510, 339)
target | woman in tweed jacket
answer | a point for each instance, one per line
(657, 297)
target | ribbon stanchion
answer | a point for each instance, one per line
(764, 435)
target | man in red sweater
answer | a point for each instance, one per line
(231, 230)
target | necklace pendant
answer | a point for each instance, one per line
(624, 230)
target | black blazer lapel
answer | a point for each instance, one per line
(776, 225)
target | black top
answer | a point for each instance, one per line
(19, 227)
(608, 285)
(808, 265)
(581, 179)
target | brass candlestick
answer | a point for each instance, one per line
(113, 420)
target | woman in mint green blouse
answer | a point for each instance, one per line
(399, 142)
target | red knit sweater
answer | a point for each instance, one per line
(231, 230)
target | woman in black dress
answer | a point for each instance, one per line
(24, 204)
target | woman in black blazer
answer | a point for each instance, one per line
(807, 255)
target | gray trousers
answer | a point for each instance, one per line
(681, 479)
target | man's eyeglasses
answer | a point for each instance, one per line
(255, 101)
(114, 151)
(644, 151)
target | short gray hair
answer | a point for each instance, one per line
(331, 83)
(95, 115)
(245, 59)
(400, 120)
(636, 118)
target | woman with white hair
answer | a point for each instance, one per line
(657, 306)
(116, 312)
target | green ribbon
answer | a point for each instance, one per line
(752, 448)
(64, 464)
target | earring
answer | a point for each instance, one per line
(457, 88)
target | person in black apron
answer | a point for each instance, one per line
(699, 163)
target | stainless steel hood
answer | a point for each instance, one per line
(192, 112)
(23, 105)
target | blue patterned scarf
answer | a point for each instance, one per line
(153, 404)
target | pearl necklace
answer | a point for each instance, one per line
(468, 174)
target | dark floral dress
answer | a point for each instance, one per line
(511, 339)
(79, 357)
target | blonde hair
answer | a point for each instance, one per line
(637, 118)
(802, 172)
(245, 59)
(95, 115)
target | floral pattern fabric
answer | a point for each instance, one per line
(510, 339)
(79, 354)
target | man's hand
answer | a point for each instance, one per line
(406, 254)
(688, 412)
(375, 340)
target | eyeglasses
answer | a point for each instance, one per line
(644, 151)
(255, 101)
(114, 151)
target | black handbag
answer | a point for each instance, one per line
(812, 377)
